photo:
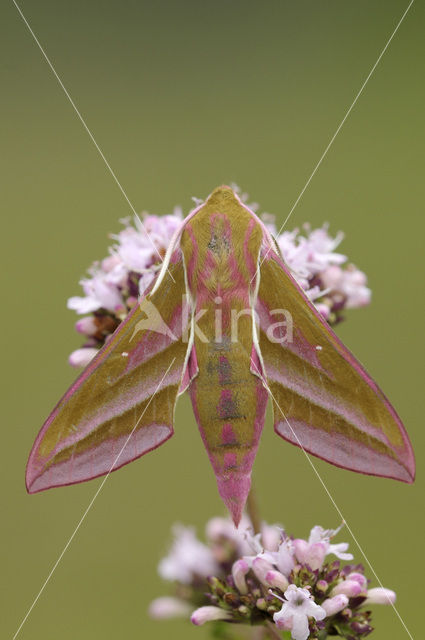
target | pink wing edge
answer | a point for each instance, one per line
(407, 462)
(187, 373)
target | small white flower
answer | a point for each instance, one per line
(309, 255)
(100, 293)
(271, 536)
(321, 248)
(311, 553)
(83, 305)
(350, 283)
(218, 528)
(146, 280)
(167, 607)
(265, 557)
(318, 534)
(285, 557)
(188, 557)
(297, 607)
(134, 249)
(318, 546)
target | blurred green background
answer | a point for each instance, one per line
(183, 96)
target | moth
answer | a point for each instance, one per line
(208, 325)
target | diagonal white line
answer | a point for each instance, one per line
(341, 124)
(102, 155)
(90, 505)
(338, 510)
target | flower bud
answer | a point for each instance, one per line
(379, 595)
(357, 277)
(261, 567)
(301, 549)
(261, 604)
(243, 609)
(239, 570)
(277, 579)
(110, 262)
(87, 326)
(358, 577)
(285, 560)
(331, 277)
(217, 528)
(335, 604)
(271, 537)
(350, 588)
(362, 628)
(316, 555)
(322, 585)
(163, 608)
(323, 309)
(206, 614)
(81, 357)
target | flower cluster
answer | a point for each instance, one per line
(268, 579)
(113, 285)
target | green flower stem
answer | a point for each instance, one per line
(253, 512)
(272, 630)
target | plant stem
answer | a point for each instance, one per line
(273, 632)
(253, 512)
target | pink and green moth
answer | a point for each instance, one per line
(222, 264)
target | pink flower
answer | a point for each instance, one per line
(318, 534)
(335, 605)
(209, 613)
(285, 556)
(277, 580)
(188, 557)
(267, 574)
(312, 554)
(350, 283)
(81, 357)
(239, 570)
(350, 588)
(261, 568)
(268, 557)
(318, 546)
(360, 578)
(115, 283)
(86, 326)
(100, 293)
(134, 249)
(309, 255)
(271, 536)
(218, 529)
